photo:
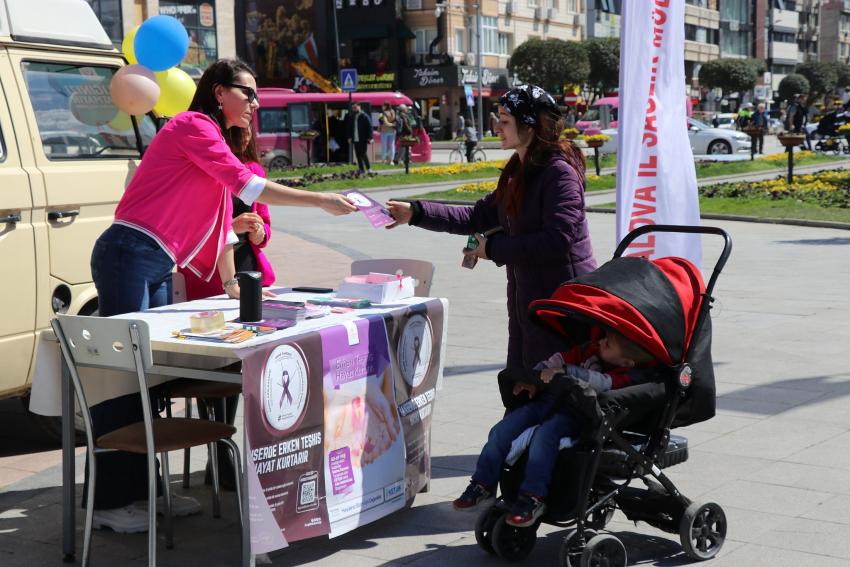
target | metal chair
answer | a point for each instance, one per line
(419, 270)
(124, 344)
(206, 393)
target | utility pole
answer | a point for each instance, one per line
(478, 65)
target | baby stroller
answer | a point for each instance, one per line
(662, 305)
(829, 140)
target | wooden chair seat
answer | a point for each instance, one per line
(169, 434)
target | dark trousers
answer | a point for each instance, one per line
(362, 153)
(470, 147)
(131, 273)
(758, 143)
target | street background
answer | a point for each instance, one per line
(776, 457)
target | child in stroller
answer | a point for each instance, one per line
(829, 139)
(604, 363)
(662, 306)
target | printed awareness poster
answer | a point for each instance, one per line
(416, 337)
(338, 423)
(364, 445)
(284, 421)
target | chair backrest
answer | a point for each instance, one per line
(419, 270)
(178, 287)
(103, 342)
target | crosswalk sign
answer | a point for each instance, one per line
(348, 80)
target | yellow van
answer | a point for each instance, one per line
(66, 155)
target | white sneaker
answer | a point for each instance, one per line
(126, 520)
(180, 505)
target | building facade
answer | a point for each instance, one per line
(835, 31)
(441, 65)
(702, 39)
(210, 24)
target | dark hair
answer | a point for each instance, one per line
(243, 143)
(222, 72)
(545, 141)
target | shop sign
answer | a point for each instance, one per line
(469, 75)
(372, 82)
(428, 77)
(206, 15)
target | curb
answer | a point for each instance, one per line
(744, 218)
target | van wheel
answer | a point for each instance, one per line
(51, 425)
(279, 162)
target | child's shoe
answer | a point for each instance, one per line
(526, 511)
(475, 495)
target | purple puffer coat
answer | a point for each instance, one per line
(547, 244)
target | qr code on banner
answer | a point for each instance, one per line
(308, 493)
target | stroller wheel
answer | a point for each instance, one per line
(702, 530)
(604, 550)
(512, 543)
(484, 528)
(570, 552)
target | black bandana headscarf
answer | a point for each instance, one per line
(525, 102)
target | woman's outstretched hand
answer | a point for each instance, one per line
(246, 222)
(337, 204)
(401, 212)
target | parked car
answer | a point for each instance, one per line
(705, 140)
(724, 120)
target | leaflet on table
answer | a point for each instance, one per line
(364, 463)
(231, 333)
(377, 214)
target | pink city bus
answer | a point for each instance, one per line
(284, 114)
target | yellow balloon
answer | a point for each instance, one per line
(176, 91)
(121, 122)
(127, 46)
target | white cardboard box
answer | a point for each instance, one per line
(364, 287)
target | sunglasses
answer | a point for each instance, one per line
(246, 90)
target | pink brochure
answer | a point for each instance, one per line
(374, 211)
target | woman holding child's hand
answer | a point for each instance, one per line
(537, 210)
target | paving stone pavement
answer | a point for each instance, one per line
(776, 456)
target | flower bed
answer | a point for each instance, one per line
(825, 188)
(454, 169)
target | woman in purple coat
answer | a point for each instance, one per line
(539, 205)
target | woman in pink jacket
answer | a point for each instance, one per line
(177, 209)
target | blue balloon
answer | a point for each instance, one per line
(161, 43)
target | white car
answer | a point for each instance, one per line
(704, 140)
(726, 120)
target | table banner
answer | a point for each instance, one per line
(337, 423)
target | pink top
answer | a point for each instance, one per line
(196, 288)
(179, 194)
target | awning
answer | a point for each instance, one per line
(365, 31)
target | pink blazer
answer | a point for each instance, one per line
(180, 193)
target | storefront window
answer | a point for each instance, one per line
(200, 21)
(109, 14)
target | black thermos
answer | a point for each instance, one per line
(250, 296)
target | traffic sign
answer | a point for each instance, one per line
(468, 91)
(348, 80)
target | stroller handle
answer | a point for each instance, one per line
(683, 229)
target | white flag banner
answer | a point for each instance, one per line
(656, 179)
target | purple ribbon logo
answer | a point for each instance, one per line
(285, 395)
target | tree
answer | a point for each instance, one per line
(731, 75)
(793, 85)
(822, 77)
(604, 57)
(842, 73)
(550, 63)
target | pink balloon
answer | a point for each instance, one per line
(134, 89)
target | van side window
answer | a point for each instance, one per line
(75, 114)
(273, 121)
